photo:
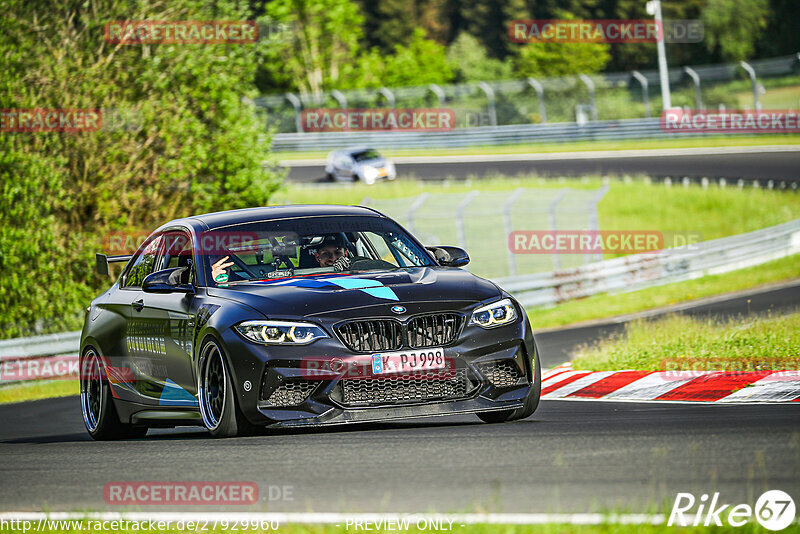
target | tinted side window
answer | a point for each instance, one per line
(143, 264)
(178, 253)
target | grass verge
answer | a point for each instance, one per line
(608, 305)
(534, 148)
(38, 389)
(679, 342)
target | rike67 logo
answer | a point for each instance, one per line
(774, 510)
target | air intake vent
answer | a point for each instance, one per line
(503, 373)
(405, 390)
(433, 330)
(372, 336)
(291, 392)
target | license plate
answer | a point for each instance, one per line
(408, 361)
(382, 172)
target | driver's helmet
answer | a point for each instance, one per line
(336, 240)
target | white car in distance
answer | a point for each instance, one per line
(359, 165)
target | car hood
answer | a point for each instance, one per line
(380, 162)
(330, 294)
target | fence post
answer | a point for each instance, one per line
(509, 225)
(462, 235)
(553, 223)
(486, 88)
(754, 82)
(590, 85)
(594, 220)
(645, 91)
(298, 107)
(533, 82)
(388, 95)
(698, 98)
(340, 98)
(435, 89)
(417, 204)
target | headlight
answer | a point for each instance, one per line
(370, 173)
(494, 314)
(280, 332)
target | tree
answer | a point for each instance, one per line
(486, 20)
(422, 62)
(470, 62)
(191, 143)
(319, 51)
(733, 27)
(560, 59)
(388, 23)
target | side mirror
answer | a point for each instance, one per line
(450, 256)
(167, 281)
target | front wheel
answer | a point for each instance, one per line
(531, 401)
(99, 414)
(218, 406)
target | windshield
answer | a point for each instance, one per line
(366, 155)
(267, 250)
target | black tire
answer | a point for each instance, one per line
(531, 401)
(330, 177)
(218, 405)
(99, 413)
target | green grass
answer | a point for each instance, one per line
(709, 213)
(749, 528)
(607, 305)
(38, 389)
(679, 342)
(777, 98)
(581, 146)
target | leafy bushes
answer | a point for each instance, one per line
(179, 137)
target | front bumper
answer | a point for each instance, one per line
(273, 387)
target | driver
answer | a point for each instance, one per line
(332, 253)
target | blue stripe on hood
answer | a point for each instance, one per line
(370, 287)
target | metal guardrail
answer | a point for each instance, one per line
(627, 273)
(638, 271)
(524, 101)
(54, 356)
(483, 136)
(37, 346)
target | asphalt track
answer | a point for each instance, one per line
(778, 166)
(568, 457)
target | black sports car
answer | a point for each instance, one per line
(298, 316)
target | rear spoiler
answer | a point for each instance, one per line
(102, 261)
